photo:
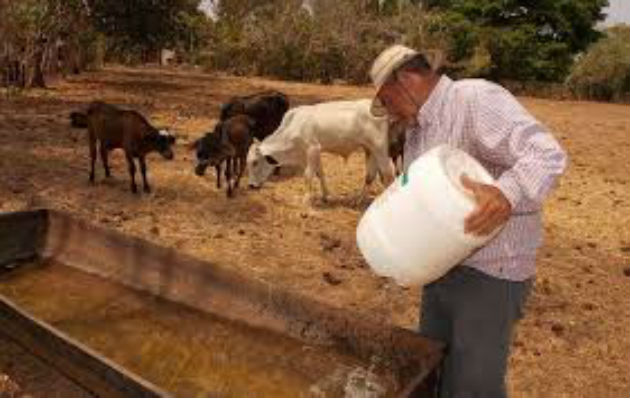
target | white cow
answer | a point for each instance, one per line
(338, 127)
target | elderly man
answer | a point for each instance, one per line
(474, 307)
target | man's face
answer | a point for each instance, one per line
(398, 100)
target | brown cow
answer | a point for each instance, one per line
(229, 142)
(116, 128)
(266, 109)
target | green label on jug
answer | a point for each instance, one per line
(404, 178)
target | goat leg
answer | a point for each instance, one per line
(143, 171)
(104, 154)
(228, 176)
(92, 143)
(132, 172)
(240, 169)
(218, 170)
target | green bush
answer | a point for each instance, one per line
(492, 38)
(516, 40)
(603, 72)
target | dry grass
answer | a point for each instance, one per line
(574, 339)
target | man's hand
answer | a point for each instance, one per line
(493, 208)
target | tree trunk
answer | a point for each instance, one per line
(38, 70)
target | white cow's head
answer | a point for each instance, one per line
(260, 167)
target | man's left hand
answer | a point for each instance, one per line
(493, 208)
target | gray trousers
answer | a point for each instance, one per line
(474, 314)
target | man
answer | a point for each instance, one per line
(474, 307)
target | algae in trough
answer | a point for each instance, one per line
(184, 351)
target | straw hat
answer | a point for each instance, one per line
(382, 68)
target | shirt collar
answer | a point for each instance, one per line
(429, 110)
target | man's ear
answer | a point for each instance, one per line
(271, 160)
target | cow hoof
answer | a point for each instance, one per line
(147, 189)
(134, 189)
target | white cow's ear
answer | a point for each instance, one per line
(271, 160)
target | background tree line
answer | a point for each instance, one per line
(40, 38)
(548, 41)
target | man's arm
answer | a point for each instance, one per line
(506, 134)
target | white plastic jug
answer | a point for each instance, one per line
(414, 231)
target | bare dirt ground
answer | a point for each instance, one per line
(574, 340)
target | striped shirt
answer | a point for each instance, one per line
(486, 121)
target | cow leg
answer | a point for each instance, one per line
(104, 154)
(218, 171)
(308, 181)
(371, 169)
(385, 167)
(92, 144)
(314, 168)
(228, 176)
(395, 162)
(132, 172)
(241, 169)
(322, 181)
(143, 171)
(398, 164)
(237, 170)
(402, 162)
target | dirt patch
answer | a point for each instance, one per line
(574, 338)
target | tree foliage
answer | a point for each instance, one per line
(520, 40)
(146, 26)
(40, 36)
(525, 39)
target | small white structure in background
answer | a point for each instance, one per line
(209, 8)
(167, 57)
(414, 231)
(307, 5)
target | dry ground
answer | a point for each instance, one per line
(574, 340)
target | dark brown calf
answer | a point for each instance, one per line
(266, 109)
(115, 128)
(229, 142)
